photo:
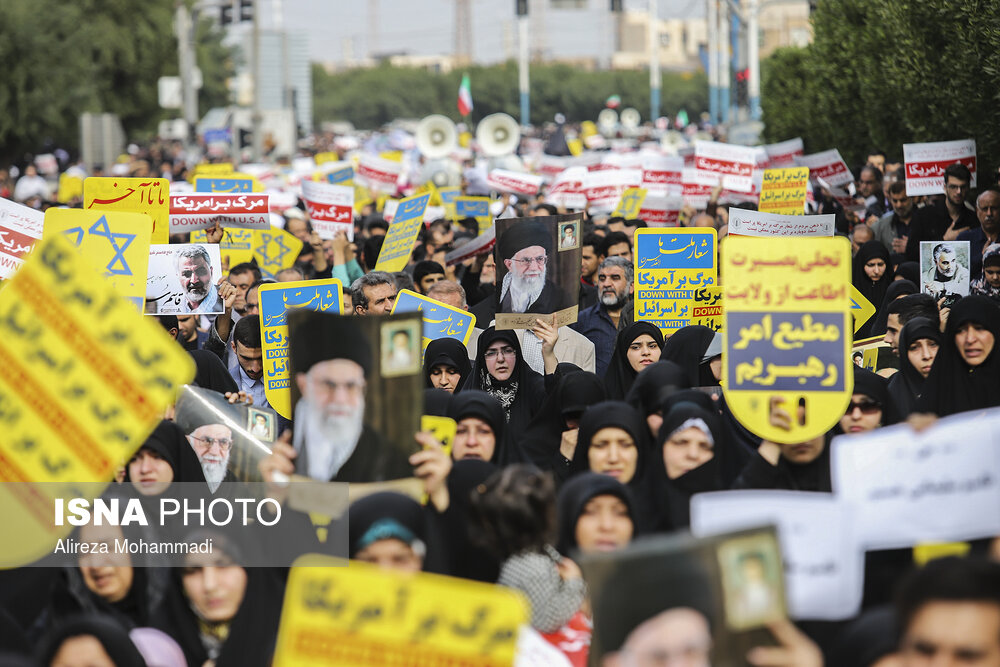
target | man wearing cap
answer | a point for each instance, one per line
(331, 439)
(524, 249)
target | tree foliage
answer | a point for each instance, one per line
(372, 97)
(879, 75)
(65, 58)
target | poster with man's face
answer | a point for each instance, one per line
(944, 270)
(538, 270)
(182, 279)
(702, 599)
(357, 395)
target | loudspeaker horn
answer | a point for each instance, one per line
(607, 121)
(443, 173)
(498, 134)
(436, 136)
(630, 118)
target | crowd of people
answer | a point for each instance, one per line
(569, 441)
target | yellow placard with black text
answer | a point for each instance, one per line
(132, 195)
(788, 333)
(398, 244)
(783, 191)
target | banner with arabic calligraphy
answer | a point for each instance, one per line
(784, 191)
(672, 266)
(440, 319)
(330, 208)
(364, 616)
(474, 207)
(827, 165)
(743, 222)
(20, 227)
(925, 164)
(211, 170)
(85, 380)
(274, 250)
(231, 183)
(406, 223)
(132, 195)
(275, 300)
(341, 176)
(116, 242)
(190, 212)
(788, 333)
(728, 164)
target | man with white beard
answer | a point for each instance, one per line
(525, 248)
(212, 443)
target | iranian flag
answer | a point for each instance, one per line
(464, 97)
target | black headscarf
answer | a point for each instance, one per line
(479, 404)
(620, 375)
(436, 402)
(906, 386)
(614, 414)
(875, 387)
(520, 395)
(654, 384)
(686, 348)
(112, 637)
(909, 271)
(897, 289)
(211, 373)
(575, 393)
(954, 386)
(170, 443)
(573, 498)
(873, 291)
(867, 639)
(465, 557)
(449, 352)
(384, 515)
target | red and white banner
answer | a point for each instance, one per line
(661, 211)
(661, 174)
(731, 163)
(20, 227)
(827, 165)
(604, 188)
(378, 173)
(925, 164)
(783, 153)
(197, 210)
(694, 193)
(330, 208)
(502, 180)
(550, 166)
(566, 191)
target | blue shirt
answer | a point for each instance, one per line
(596, 325)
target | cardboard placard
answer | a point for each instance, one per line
(925, 164)
(274, 250)
(783, 191)
(398, 244)
(20, 227)
(330, 208)
(193, 211)
(440, 319)
(743, 222)
(671, 265)
(182, 279)
(132, 195)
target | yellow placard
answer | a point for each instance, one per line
(361, 615)
(672, 268)
(474, 207)
(630, 203)
(235, 247)
(274, 250)
(395, 156)
(70, 188)
(132, 195)
(402, 234)
(575, 147)
(117, 243)
(708, 308)
(324, 157)
(210, 170)
(588, 128)
(275, 301)
(861, 308)
(787, 332)
(783, 191)
(439, 319)
(361, 197)
(85, 380)
(442, 428)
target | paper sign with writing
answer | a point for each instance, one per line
(824, 566)
(341, 176)
(207, 170)
(85, 381)
(661, 174)
(228, 184)
(783, 153)
(694, 193)
(474, 207)
(275, 250)
(193, 211)
(670, 265)
(481, 245)
(363, 616)
(566, 190)
(630, 203)
(939, 485)
(743, 222)
(519, 183)
(827, 165)
(788, 332)
(402, 234)
(330, 207)
(732, 164)
(236, 245)
(118, 243)
(275, 301)
(20, 227)
(604, 187)
(784, 191)
(660, 211)
(182, 279)
(378, 173)
(70, 188)
(925, 164)
(707, 311)
(132, 195)
(440, 319)
(327, 156)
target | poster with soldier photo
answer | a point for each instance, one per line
(357, 395)
(704, 599)
(182, 279)
(944, 270)
(229, 439)
(538, 270)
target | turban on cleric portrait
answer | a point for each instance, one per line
(525, 251)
